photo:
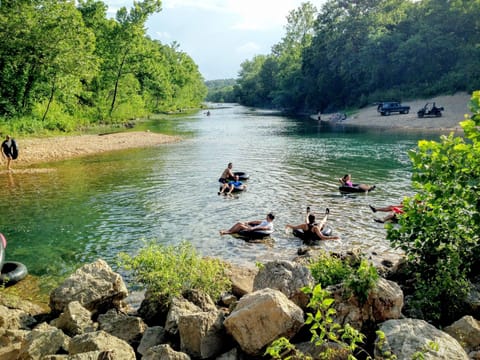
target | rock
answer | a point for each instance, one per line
(154, 308)
(384, 302)
(101, 341)
(202, 334)
(43, 340)
(11, 342)
(95, 286)
(466, 331)
(152, 336)
(122, 326)
(287, 277)
(15, 319)
(242, 279)
(164, 352)
(261, 317)
(178, 307)
(74, 320)
(199, 298)
(406, 337)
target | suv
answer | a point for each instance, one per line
(386, 108)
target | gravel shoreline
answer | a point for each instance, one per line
(40, 150)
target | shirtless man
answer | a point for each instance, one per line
(225, 177)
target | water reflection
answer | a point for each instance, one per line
(59, 215)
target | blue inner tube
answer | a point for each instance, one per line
(242, 176)
(255, 234)
(12, 272)
(309, 238)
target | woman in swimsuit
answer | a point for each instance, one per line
(312, 228)
(262, 225)
(346, 180)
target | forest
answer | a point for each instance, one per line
(354, 53)
(66, 65)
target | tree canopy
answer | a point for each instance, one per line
(64, 63)
(351, 53)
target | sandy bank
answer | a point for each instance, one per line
(456, 106)
(39, 150)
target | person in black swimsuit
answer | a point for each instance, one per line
(8, 146)
(312, 228)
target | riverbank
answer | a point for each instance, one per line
(455, 107)
(40, 150)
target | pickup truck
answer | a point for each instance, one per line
(386, 108)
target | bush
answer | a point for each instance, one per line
(324, 330)
(440, 230)
(169, 270)
(358, 276)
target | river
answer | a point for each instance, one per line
(73, 212)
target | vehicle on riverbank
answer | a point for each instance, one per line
(389, 107)
(430, 110)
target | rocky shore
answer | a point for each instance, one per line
(89, 319)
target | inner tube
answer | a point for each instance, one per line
(235, 189)
(242, 176)
(3, 245)
(311, 237)
(254, 234)
(14, 150)
(351, 190)
(12, 272)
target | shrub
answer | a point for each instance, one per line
(169, 270)
(440, 229)
(359, 277)
(324, 332)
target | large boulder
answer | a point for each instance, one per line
(125, 327)
(43, 340)
(15, 319)
(11, 342)
(285, 276)
(406, 337)
(153, 336)
(74, 320)
(242, 279)
(384, 302)
(261, 317)
(95, 286)
(202, 334)
(103, 342)
(466, 331)
(178, 307)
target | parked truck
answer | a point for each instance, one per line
(389, 107)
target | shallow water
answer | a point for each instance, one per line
(68, 213)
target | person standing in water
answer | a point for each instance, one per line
(9, 150)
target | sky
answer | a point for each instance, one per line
(219, 34)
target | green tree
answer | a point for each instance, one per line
(439, 232)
